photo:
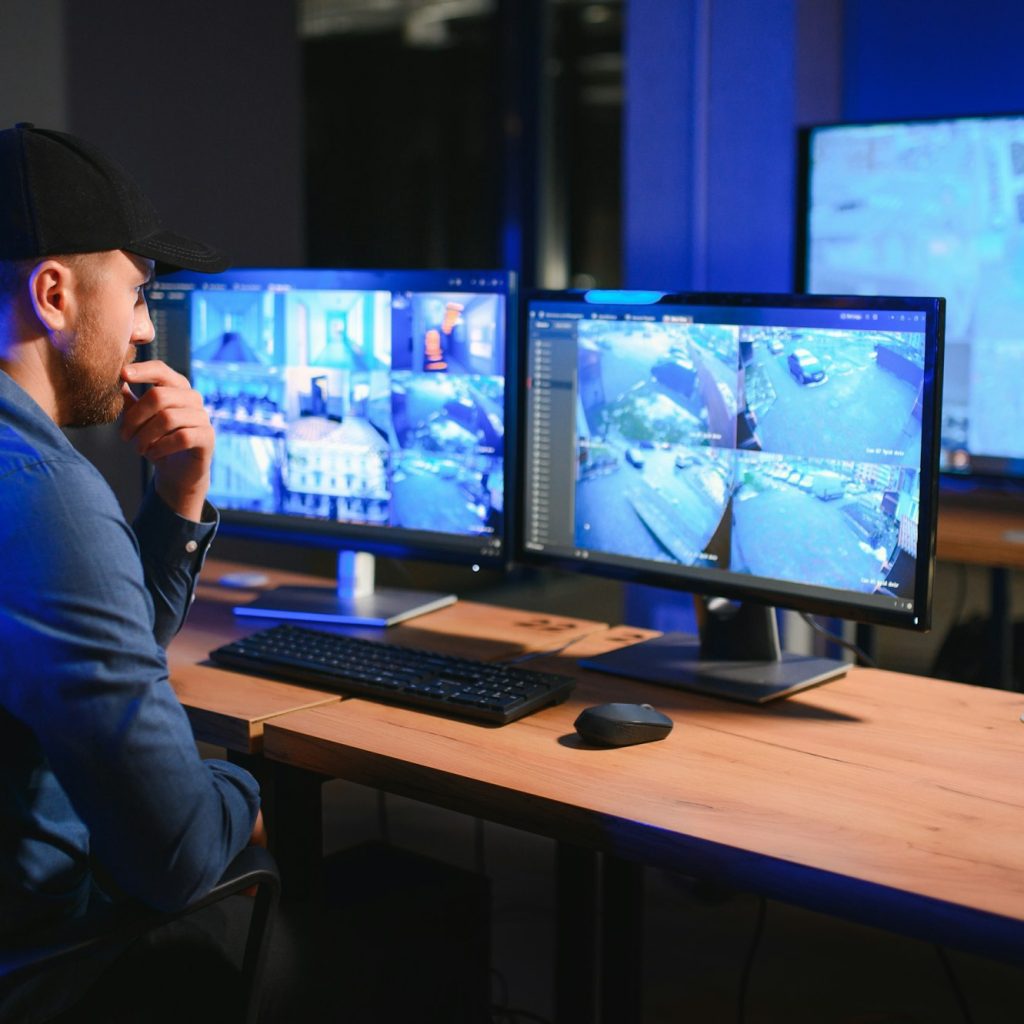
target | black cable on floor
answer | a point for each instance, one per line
(383, 819)
(954, 984)
(512, 1016)
(502, 1013)
(748, 964)
(480, 846)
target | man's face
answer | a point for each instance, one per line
(112, 318)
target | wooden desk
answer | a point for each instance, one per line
(882, 798)
(973, 532)
(230, 709)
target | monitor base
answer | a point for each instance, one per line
(673, 660)
(383, 607)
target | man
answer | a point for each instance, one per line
(102, 792)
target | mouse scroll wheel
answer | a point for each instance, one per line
(647, 706)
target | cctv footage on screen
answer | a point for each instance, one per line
(786, 450)
(383, 408)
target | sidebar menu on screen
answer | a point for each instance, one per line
(551, 443)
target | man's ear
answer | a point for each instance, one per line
(50, 291)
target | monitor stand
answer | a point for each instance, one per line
(737, 656)
(354, 602)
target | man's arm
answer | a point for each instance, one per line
(173, 550)
(170, 428)
(90, 681)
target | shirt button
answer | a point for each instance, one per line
(191, 546)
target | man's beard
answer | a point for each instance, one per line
(91, 391)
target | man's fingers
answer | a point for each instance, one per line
(154, 371)
(195, 439)
(154, 408)
(167, 422)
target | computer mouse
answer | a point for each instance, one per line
(619, 725)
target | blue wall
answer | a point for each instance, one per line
(915, 58)
(709, 150)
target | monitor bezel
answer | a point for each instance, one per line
(759, 590)
(387, 541)
(985, 472)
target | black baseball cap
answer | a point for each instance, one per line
(60, 195)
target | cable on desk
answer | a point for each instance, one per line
(530, 655)
(862, 656)
(961, 598)
(955, 619)
(954, 984)
(748, 963)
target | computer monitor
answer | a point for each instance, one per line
(357, 409)
(761, 450)
(933, 207)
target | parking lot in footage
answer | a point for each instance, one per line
(864, 407)
(831, 523)
(814, 494)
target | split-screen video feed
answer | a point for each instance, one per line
(368, 407)
(786, 453)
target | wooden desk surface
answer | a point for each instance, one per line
(880, 797)
(976, 533)
(230, 709)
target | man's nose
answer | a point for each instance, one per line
(144, 331)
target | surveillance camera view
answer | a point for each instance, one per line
(785, 452)
(371, 407)
(861, 389)
(936, 208)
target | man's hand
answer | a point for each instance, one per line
(169, 426)
(259, 831)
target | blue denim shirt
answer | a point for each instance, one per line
(99, 773)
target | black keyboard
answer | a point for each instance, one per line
(481, 690)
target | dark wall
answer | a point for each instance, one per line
(403, 151)
(202, 102)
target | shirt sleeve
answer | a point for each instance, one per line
(173, 550)
(89, 678)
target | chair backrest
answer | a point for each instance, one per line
(50, 950)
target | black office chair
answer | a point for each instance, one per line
(119, 925)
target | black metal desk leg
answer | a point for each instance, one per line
(622, 931)
(576, 938)
(293, 814)
(599, 954)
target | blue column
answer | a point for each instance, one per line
(710, 165)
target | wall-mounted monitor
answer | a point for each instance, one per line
(760, 449)
(933, 207)
(358, 409)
